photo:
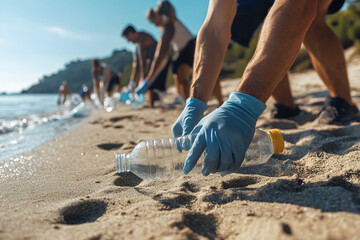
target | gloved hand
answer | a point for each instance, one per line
(142, 88)
(226, 134)
(190, 116)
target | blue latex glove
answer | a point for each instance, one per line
(226, 134)
(142, 88)
(190, 116)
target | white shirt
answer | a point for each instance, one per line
(181, 37)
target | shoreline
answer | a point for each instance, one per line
(68, 187)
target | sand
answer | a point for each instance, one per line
(69, 189)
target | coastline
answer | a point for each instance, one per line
(68, 187)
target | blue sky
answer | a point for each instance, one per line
(38, 37)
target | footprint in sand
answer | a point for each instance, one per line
(339, 145)
(117, 119)
(127, 179)
(110, 146)
(171, 200)
(188, 186)
(239, 182)
(81, 212)
(199, 224)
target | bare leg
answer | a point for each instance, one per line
(181, 77)
(217, 92)
(117, 88)
(280, 40)
(179, 89)
(177, 86)
(282, 93)
(327, 55)
(151, 97)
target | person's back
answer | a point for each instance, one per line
(147, 43)
(181, 37)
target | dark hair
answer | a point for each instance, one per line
(165, 8)
(128, 29)
(95, 63)
(150, 14)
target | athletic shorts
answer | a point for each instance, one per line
(335, 6)
(159, 82)
(186, 56)
(251, 13)
(113, 81)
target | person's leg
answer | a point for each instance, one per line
(327, 55)
(217, 93)
(282, 93)
(117, 88)
(283, 32)
(179, 88)
(181, 76)
(151, 97)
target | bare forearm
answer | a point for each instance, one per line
(135, 71)
(162, 51)
(96, 87)
(209, 57)
(211, 46)
(280, 40)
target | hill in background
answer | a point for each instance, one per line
(77, 73)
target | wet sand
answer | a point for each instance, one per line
(69, 189)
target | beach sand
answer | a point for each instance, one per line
(69, 189)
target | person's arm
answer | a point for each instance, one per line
(227, 132)
(142, 61)
(211, 45)
(135, 68)
(96, 85)
(283, 32)
(162, 51)
(107, 80)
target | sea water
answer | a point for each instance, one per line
(29, 120)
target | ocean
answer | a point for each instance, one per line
(29, 120)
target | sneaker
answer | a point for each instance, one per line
(338, 111)
(159, 95)
(282, 111)
(179, 100)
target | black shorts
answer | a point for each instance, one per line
(159, 82)
(335, 6)
(113, 81)
(251, 13)
(186, 56)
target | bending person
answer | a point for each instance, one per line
(142, 59)
(104, 80)
(64, 93)
(228, 131)
(175, 35)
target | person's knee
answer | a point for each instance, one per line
(307, 9)
(310, 10)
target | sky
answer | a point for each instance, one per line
(37, 37)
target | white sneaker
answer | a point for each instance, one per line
(179, 100)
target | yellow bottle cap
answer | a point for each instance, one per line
(277, 140)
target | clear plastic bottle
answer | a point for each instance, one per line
(165, 158)
(109, 104)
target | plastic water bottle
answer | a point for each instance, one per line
(165, 157)
(109, 104)
(137, 101)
